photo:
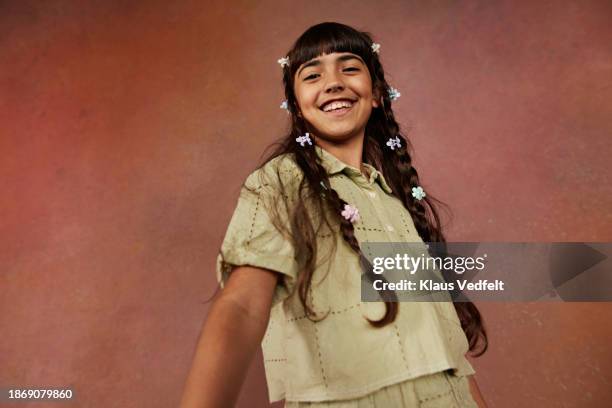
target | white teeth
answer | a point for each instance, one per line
(337, 105)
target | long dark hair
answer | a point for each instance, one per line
(315, 189)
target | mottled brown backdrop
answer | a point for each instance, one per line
(126, 128)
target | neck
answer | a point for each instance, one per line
(348, 151)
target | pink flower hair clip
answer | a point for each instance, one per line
(350, 213)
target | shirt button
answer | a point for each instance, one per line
(372, 194)
(390, 228)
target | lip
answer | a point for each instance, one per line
(339, 112)
(351, 100)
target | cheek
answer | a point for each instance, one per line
(367, 89)
(309, 99)
(364, 87)
(305, 98)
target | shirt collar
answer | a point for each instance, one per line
(334, 165)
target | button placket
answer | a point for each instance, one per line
(383, 220)
(388, 224)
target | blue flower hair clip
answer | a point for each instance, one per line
(394, 142)
(302, 140)
(394, 93)
(418, 193)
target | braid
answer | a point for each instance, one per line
(316, 175)
(348, 233)
(400, 161)
(403, 176)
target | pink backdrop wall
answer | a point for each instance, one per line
(127, 128)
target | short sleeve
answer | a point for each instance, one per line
(253, 239)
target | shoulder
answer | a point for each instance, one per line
(278, 173)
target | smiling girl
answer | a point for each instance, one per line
(290, 261)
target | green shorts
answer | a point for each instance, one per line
(438, 390)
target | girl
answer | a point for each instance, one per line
(290, 260)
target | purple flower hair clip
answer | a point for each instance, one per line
(302, 140)
(350, 213)
(394, 142)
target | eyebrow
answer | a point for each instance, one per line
(317, 62)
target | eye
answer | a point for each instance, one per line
(351, 69)
(311, 76)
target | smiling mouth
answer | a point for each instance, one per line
(338, 108)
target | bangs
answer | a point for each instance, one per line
(327, 38)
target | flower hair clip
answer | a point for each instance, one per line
(375, 48)
(394, 93)
(302, 140)
(418, 193)
(350, 213)
(285, 105)
(283, 62)
(394, 142)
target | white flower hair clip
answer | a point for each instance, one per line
(350, 213)
(394, 142)
(284, 62)
(284, 105)
(302, 140)
(418, 193)
(375, 47)
(394, 93)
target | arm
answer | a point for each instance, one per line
(232, 332)
(476, 394)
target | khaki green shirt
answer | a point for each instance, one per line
(341, 356)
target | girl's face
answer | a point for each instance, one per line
(334, 95)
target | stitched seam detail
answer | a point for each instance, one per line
(369, 229)
(403, 217)
(435, 396)
(320, 358)
(248, 242)
(401, 346)
(454, 389)
(276, 360)
(293, 319)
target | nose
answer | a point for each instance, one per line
(334, 87)
(334, 84)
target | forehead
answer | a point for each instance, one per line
(335, 57)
